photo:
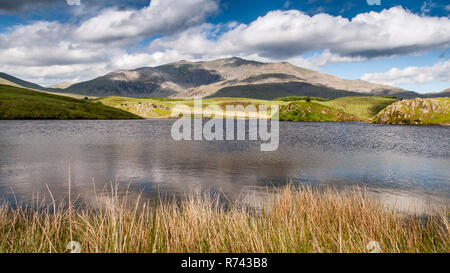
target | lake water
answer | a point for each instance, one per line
(407, 165)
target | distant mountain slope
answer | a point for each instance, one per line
(20, 83)
(6, 82)
(6, 79)
(20, 103)
(233, 77)
(240, 72)
(270, 91)
(162, 81)
(445, 93)
(62, 85)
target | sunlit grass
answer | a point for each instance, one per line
(363, 107)
(290, 220)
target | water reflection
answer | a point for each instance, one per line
(398, 161)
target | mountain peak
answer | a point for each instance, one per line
(226, 77)
(235, 61)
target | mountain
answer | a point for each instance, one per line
(231, 77)
(445, 93)
(13, 81)
(62, 85)
(6, 79)
(162, 81)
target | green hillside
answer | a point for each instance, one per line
(20, 103)
(363, 107)
(292, 108)
(312, 111)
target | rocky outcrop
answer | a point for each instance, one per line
(416, 111)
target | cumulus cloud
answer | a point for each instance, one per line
(160, 17)
(412, 74)
(47, 50)
(389, 32)
(289, 34)
(103, 42)
(317, 61)
(46, 43)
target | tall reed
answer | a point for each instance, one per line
(291, 220)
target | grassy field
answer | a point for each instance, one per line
(292, 220)
(20, 103)
(362, 107)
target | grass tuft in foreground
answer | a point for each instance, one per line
(293, 220)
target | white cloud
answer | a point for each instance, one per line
(47, 43)
(317, 61)
(389, 32)
(160, 17)
(427, 6)
(48, 50)
(412, 74)
(131, 61)
(289, 34)
(73, 2)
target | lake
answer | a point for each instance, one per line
(405, 165)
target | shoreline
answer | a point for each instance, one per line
(292, 221)
(170, 118)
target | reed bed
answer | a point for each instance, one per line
(291, 220)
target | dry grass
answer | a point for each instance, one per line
(293, 220)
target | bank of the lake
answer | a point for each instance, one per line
(20, 103)
(368, 109)
(291, 221)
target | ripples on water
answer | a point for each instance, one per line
(409, 162)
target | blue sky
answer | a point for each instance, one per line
(399, 42)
